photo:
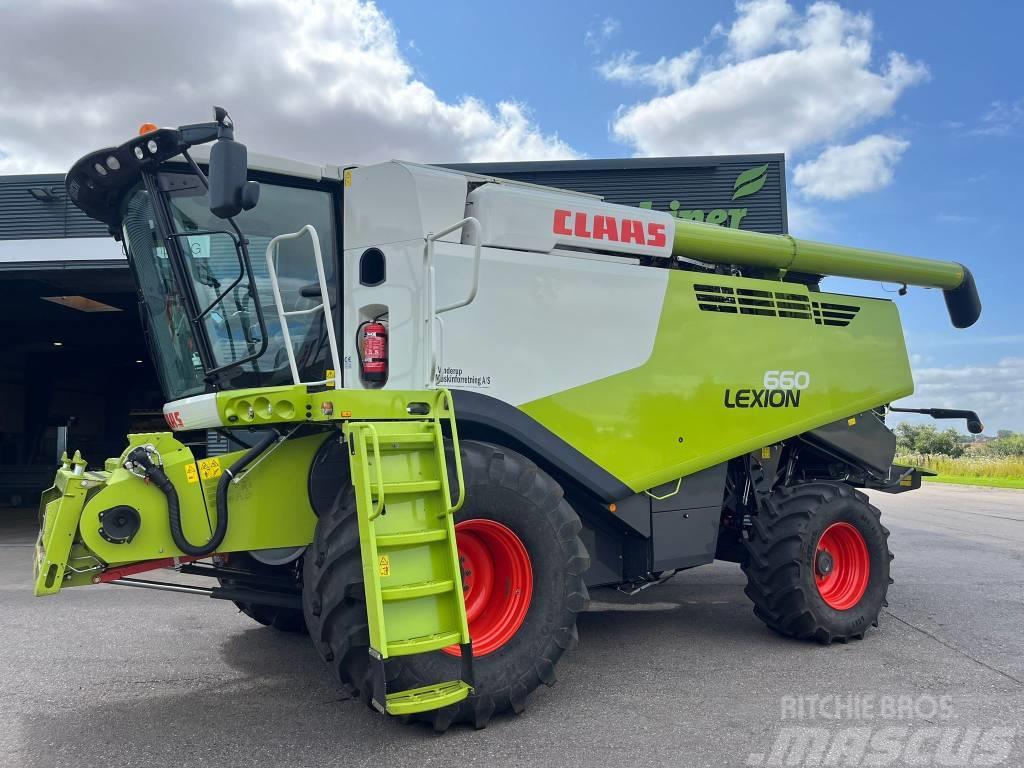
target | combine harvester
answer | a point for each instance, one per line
(459, 402)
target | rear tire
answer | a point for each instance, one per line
(817, 563)
(501, 486)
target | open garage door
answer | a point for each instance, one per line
(75, 367)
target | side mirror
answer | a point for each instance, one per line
(230, 190)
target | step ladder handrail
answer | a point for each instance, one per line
(324, 305)
(433, 312)
(363, 426)
(443, 409)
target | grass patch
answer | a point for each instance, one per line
(990, 482)
(992, 471)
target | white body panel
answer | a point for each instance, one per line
(392, 202)
(540, 324)
(544, 319)
(196, 412)
(533, 220)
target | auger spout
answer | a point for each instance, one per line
(720, 245)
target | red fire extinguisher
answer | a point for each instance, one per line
(374, 358)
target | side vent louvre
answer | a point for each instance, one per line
(748, 301)
(834, 314)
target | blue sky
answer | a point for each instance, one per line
(903, 123)
(957, 189)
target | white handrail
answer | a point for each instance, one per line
(431, 314)
(325, 304)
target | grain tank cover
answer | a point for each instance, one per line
(530, 219)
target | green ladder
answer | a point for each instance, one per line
(411, 571)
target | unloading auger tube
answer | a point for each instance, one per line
(719, 245)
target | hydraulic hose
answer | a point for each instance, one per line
(155, 475)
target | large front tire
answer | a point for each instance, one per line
(282, 619)
(817, 563)
(519, 503)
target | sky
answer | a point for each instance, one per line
(902, 123)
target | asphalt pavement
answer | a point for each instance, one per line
(680, 674)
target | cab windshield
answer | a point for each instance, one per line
(227, 329)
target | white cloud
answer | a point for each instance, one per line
(324, 82)
(845, 171)
(807, 221)
(600, 33)
(1001, 119)
(994, 390)
(664, 74)
(955, 218)
(760, 25)
(813, 80)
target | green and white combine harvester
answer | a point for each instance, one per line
(459, 402)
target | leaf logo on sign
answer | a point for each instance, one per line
(750, 181)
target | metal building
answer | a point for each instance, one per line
(70, 327)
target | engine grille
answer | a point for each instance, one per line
(750, 301)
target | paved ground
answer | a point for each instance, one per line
(682, 674)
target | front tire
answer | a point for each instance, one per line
(282, 619)
(817, 563)
(510, 503)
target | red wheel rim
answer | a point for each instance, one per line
(497, 581)
(841, 566)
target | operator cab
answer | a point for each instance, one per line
(207, 308)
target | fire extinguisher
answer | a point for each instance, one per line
(373, 359)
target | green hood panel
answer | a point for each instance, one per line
(701, 397)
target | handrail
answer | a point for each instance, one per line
(325, 305)
(378, 505)
(432, 311)
(473, 223)
(443, 405)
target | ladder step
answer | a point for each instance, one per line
(399, 440)
(419, 589)
(412, 486)
(410, 539)
(423, 644)
(427, 698)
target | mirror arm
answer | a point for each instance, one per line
(198, 133)
(196, 170)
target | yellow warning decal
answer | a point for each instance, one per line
(766, 453)
(348, 178)
(209, 469)
(384, 566)
(191, 473)
(907, 481)
(851, 421)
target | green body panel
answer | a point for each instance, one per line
(269, 507)
(60, 510)
(720, 245)
(296, 403)
(668, 417)
(269, 504)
